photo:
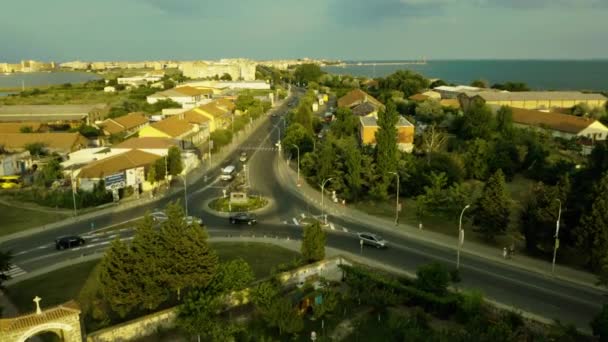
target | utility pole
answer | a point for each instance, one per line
(556, 245)
(298, 148)
(460, 237)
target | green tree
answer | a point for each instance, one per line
(592, 231)
(476, 156)
(174, 161)
(432, 141)
(26, 129)
(49, 173)
(504, 122)
(306, 73)
(539, 216)
(325, 161)
(313, 243)
(430, 111)
(405, 81)
(160, 168)
(599, 324)
(244, 101)
(345, 124)
(151, 175)
(303, 116)
(283, 315)
(185, 256)
(511, 86)
(479, 84)
(353, 162)
(36, 149)
(297, 135)
(433, 278)
(386, 148)
(329, 301)
(117, 281)
(437, 83)
(146, 268)
(478, 122)
(492, 209)
(226, 77)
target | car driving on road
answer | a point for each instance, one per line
(191, 219)
(159, 216)
(372, 240)
(248, 218)
(66, 242)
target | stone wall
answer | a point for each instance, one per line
(138, 328)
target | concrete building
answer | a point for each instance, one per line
(452, 92)
(188, 97)
(237, 69)
(405, 132)
(127, 125)
(357, 97)
(61, 143)
(72, 115)
(177, 128)
(560, 125)
(15, 163)
(532, 99)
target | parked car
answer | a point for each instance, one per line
(243, 157)
(191, 219)
(66, 242)
(372, 240)
(248, 218)
(159, 216)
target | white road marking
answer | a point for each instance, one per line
(15, 271)
(303, 215)
(344, 230)
(295, 221)
(331, 225)
(34, 249)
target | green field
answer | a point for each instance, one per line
(17, 219)
(64, 284)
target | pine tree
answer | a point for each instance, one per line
(493, 208)
(313, 243)
(117, 281)
(539, 217)
(592, 231)
(147, 272)
(185, 256)
(386, 148)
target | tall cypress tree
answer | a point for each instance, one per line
(352, 161)
(185, 256)
(493, 208)
(592, 231)
(117, 281)
(147, 272)
(313, 243)
(386, 148)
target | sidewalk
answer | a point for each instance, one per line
(194, 176)
(288, 178)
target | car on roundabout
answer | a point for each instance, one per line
(247, 218)
(371, 239)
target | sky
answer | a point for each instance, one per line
(63, 30)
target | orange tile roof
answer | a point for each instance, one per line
(31, 320)
(124, 123)
(226, 103)
(194, 117)
(111, 165)
(418, 97)
(15, 127)
(454, 103)
(147, 143)
(213, 109)
(355, 97)
(190, 91)
(59, 141)
(554, 121)
(173, 126)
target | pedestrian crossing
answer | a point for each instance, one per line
(302, 220)
(255, 148)
(14, 271)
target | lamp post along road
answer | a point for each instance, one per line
(556, 245)
(460, 236)
(397, 200)
(296, 146)
(322, 201)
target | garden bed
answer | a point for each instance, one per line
(223, 204)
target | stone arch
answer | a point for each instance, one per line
(62, 319)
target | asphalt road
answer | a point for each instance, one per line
(548, 297)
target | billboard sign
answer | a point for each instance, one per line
(115, 181)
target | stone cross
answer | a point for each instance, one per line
(37, 301)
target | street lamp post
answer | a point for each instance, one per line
(397, 200)
(460, 236)
(322, 202)
(296, 146)
(556, 245)
(73, 190)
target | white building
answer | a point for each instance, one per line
(188, 97)
(452, 92)
(237, 69)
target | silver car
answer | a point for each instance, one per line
(159, 216)
(191, 219)
(372, 240)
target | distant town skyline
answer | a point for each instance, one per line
(64, 30)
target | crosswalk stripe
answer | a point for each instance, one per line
(331, 225)
(295, 221)
(14, 271)
(303, 215)
(345, 230)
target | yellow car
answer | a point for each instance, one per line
(10, 182)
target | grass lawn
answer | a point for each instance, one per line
(17, 219)
(223, 204)
(64, 284)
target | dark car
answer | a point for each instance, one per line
(243, 218)
(68, 242)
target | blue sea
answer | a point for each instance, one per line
(589, 75)
(37, 79)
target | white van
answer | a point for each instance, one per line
(228, 173)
